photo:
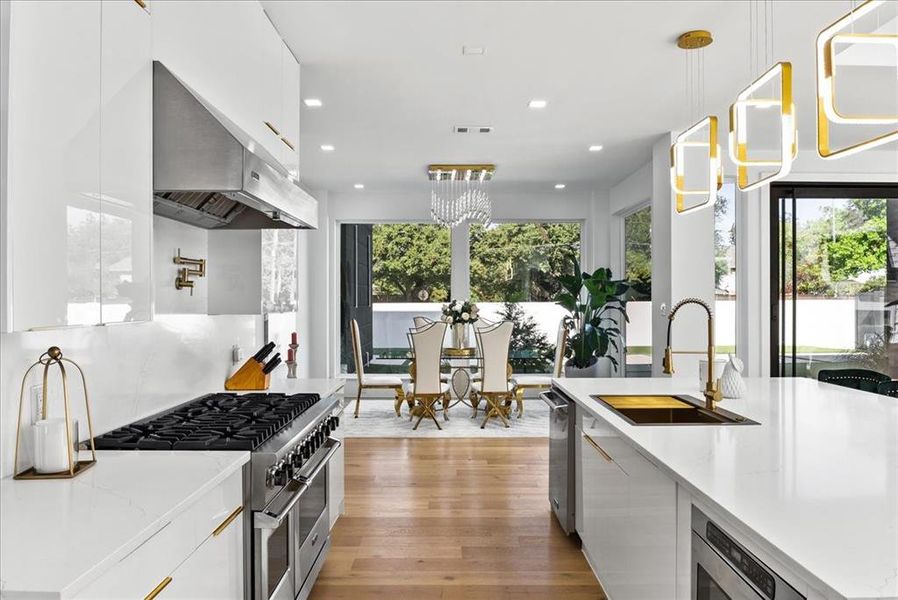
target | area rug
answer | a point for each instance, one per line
(377, 419)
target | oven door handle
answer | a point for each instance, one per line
(265, 519)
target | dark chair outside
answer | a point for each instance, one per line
(858, 379)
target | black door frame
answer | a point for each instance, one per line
(793, 191)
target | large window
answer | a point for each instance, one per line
(834, 278)
(638, 270)
(725, 269)
(390, 273)
(514, 276)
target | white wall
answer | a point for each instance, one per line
(168, 237)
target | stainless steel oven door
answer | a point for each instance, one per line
(274, 548)
(313, 524)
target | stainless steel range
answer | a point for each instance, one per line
(287, 529)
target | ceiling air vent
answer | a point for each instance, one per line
(472, 129)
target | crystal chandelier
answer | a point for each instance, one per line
(458, 193)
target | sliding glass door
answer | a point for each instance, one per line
(834, 278)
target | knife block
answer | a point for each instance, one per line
(248, 377)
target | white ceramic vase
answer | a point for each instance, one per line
(731, 383)
(460, 335)
(600, 368)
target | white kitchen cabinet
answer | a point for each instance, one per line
(79, 188)
(629, 516)
(214, 570)
(126, 162)
(336, 469)
(54, 170)
(291, 110)
(198, 554)
(232, 56)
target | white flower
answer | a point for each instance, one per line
(474, 309)
(465, 316)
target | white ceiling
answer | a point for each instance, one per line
(394, 82)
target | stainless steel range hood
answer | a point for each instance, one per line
(209, 173)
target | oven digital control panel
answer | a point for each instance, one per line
(742, 560)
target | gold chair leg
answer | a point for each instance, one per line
(397, 405)
(358, 401)
(475, 401)
(519, 396)
(446, 406)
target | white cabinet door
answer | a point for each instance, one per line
(629, 517)
(269, 87)
(54, 163)
(213, 571)
(336, 470)
(126, 159)
(291, 100)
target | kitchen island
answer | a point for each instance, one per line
(811, 490)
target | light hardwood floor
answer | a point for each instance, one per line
(451, 519)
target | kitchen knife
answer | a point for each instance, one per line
(265, 351)
(274, 362)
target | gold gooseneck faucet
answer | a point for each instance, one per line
(712, 388)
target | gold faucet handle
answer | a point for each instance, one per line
(667, 363)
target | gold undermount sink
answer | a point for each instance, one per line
(669, 410)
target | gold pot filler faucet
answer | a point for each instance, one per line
(712, 387)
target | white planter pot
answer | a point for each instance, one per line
(601, 368)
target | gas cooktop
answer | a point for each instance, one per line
(215, 422)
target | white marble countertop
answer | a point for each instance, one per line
(56, 536)
(322, 387)
(817, 480)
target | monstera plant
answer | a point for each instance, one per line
(596, 303)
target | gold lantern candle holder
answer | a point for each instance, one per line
(53, 356)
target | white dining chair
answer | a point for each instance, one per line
(495, 385)
(420, 322)
(427, 387)
(370, 382)
(537, 381)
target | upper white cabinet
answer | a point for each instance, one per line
(230, 54)
(79, 194)
(126, 162)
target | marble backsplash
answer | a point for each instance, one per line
(132, 369)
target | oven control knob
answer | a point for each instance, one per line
(335, 422)
(296, 458)
(270, 476)
(280, 474)
(327, 428)
(307, 450)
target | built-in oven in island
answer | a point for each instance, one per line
(722, 569)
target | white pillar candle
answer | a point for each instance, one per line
(51, 448)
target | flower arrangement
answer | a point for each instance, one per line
(460, 312)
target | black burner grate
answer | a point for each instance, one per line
(214, 422)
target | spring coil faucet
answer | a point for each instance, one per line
(712, 388)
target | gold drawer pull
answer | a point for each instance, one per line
(142, 4)
(272, 128)
(226, 522)
(598, 448)
(289, 145)
(158, 589)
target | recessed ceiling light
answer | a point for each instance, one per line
(595, 147)
(559, 186)
(473, 50)
(535, 103)
(313, 102)
(359, 186)
(327, 148)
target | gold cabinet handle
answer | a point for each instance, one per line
(142, 4)
(598, 448)
(272, 128)
(158, 589)
(224, 524)
(289, 145)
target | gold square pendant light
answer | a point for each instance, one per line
(842, 33)
(746, 101)
(690, 139)
(693, 42)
